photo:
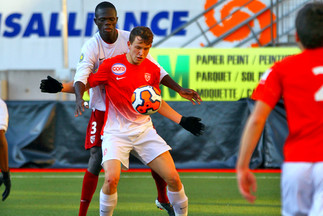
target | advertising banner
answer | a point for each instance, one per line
(218, 74)
(31, 31)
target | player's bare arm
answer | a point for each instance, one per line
(169, 112)
(68, 87)
(80, 88)
(188, 94)
(191, 123)
(246, 180)
(51, 85)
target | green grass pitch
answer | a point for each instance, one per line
(51, 194)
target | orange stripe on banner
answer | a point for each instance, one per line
(66, 170)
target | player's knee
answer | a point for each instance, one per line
(174, 181)
(111, 181)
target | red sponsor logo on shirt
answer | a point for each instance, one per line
(118, 69)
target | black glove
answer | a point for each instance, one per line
(5, 179)
(50, 85)
(193, 125)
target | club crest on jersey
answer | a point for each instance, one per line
(147, 76)
(118, 69)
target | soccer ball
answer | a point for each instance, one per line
(146, 100)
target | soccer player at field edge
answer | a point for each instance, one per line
(108, 42)
(4, 166)
(298, 80)
(127, 131)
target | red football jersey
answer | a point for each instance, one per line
(121, 79)
(298, 80)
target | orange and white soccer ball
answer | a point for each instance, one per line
(146, 100)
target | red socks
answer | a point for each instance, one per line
(90, 182)
(161, 187)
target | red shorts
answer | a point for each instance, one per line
(94, 128)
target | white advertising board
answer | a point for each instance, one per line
(31, 30)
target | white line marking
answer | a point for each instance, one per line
(129, 177)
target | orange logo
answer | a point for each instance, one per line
(239, 16)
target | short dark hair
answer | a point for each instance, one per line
(144, 32)
(104, 5)
(309, 25)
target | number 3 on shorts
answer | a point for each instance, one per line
(93, 128)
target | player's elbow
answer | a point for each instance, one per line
(257, 121)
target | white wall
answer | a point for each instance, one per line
(31, 30)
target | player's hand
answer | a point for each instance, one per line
(79, 107)
(247, 184)
(50, 85)
(190, 95)
(193, 125)
(5, 179)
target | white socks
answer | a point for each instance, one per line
(179, 201)
(107, 203)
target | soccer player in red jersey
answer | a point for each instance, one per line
(126, 130)
(107, 42)
(298, 80)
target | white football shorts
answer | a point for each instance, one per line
(4, 117)
(302, 189)
(144, 143)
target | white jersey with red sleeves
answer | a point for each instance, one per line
(120, 79)
(4, 117)
(93, 53)
(298, 80)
